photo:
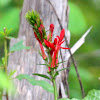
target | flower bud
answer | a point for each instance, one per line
(40, 31)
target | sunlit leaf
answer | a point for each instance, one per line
(93, 95)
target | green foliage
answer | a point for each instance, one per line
(45, 85)
(57, 72)
(75, 91)
(37, 24)
(11, 73)
(68, 99)
(62, 69)
(92, 95)
(42, 75)
(5, 83)
(31, 17)
(3, 61)
(10, 19)
(18, 46)
(77, 22)
(4, 2)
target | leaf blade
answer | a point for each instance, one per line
(45, 85)
(18, 46)
(42, 75)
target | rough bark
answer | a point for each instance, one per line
(26, 61)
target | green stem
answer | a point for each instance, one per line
(55, 88)
(5, 50)
(1, 93)
(5, 46)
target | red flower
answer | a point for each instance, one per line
(55, 47)
(42, 27)
(36, 37)
(42, 50)
(41, 46)
(51, 32)
(51, 27)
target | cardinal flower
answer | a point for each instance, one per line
(55, 47)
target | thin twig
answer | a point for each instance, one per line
(74, 63)
(67, 85)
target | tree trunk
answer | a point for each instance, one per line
(26, 61)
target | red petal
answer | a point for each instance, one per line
(51, 45)
(62, 34)
(42, 50)
(57, 60)
(36, 37)
(64, 48)
(51, 52)
(54, 59)
(40, 31)
(51, 28)
(55, 41)
(46, 43)
(49, 69)
(58, 37)
(42, 27)
(47, 37)
(61, 42)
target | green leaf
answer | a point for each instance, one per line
(62, 69)
(42, 75)
(2, 33)
(61, 62)
(93, 95)
(3, 61)
(18, 46)
(8, 31)
(44, 64)
(45, 85)
(9, 37)
(57, 73)
(11, 73)
(6, 83)
(68, 99)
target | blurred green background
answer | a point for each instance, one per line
(83, 15)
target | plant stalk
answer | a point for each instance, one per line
(55, 88)
(5, 50)
(5, 44)
(1, 92)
